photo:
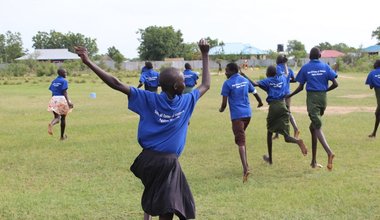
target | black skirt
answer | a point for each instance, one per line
(166, 188)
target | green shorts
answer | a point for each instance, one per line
(377, 92)
(316, 105)
(278, 118)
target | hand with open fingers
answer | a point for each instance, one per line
(203, 45)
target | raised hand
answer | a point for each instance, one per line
(204, 46)
(82, 53)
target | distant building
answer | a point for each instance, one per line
(52, 55)
(238, 49)
(372, 50)
(331, 54)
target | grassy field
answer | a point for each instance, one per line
(88, 177)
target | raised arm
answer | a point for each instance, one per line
(110, 80)
(206, 81)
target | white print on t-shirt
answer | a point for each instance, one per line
(238, 85)
(316, 72)
(57, 84)
(377, 76)
(276, 85)
(151, 78)
(164, 118)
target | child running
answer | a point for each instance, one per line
(60, 103)
(317, 75)
(191, 78)
(281, 68)
(373, 80)
(276, 86)
(236, 89)
(149, 78)
(162, 134)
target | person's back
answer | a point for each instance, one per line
(237, 90)
(316, 75)
(276, 87)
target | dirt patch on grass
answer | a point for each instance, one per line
(357, 96)
(332, 110)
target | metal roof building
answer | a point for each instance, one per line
(53, 55)
(372, 49)
(237, 49)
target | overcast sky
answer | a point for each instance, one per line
(261, 23)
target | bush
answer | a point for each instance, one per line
(15, 69)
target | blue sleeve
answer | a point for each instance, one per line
(225, 89)
(332, 74)
(264, 84)
(369, 79)
(251, 88)
(142, 78)
(301, 76)
(136, 100)
(65, 85)
(291, 73)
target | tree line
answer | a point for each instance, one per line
(156, 43)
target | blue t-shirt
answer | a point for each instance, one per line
(150, 78)
(316, 75)
(163, 122)
(280, 70)
(276, 87)
(191, 78)
(237, 88)
(58, 86)
(373, 78)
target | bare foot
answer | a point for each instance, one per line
(372, 135)
(302, 147)
(245, 176)
(296, 134)
(63, 138)
(266, 159)
(316, 165)
(50, 129)
(330, 162)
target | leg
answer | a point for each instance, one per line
(299, 142)
(53, 122)
(377, 120)
(323, 141)
(314, 163)
(294, 124)
(63, 126)
(147, 216)
(243, 158)
(167, 216)
(268, 158)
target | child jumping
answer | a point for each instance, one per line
(373, 80)
(60, 103)
(276, 86)
(236, 89)
(162, 134)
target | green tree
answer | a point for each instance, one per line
(297, 49)
(376, 34)
(342, 47)
(116, 56)
(10, 46)
(157, 43)
(214, 42)
(58, 40)
(191, 51)
(325, 46)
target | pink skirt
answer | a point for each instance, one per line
(59, 105)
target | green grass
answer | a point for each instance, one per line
(88, 176)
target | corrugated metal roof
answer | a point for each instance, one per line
(50, 54)
(372, 49)
(331, 54)
(236, 48)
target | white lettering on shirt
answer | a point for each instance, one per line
(238, 85)
(316, 72)
(276, 85)
(164, 118)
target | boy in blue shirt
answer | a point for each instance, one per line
(277, 87)
(60, 103)
(162, 134)
(281, 68)
(191, 78)
(373, 80)
(316, 75)
(149, 78)
(235, 90)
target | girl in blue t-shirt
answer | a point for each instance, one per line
(60, 103)
(276, 86)
(162, 132)
(373, 80)
(235, 90)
